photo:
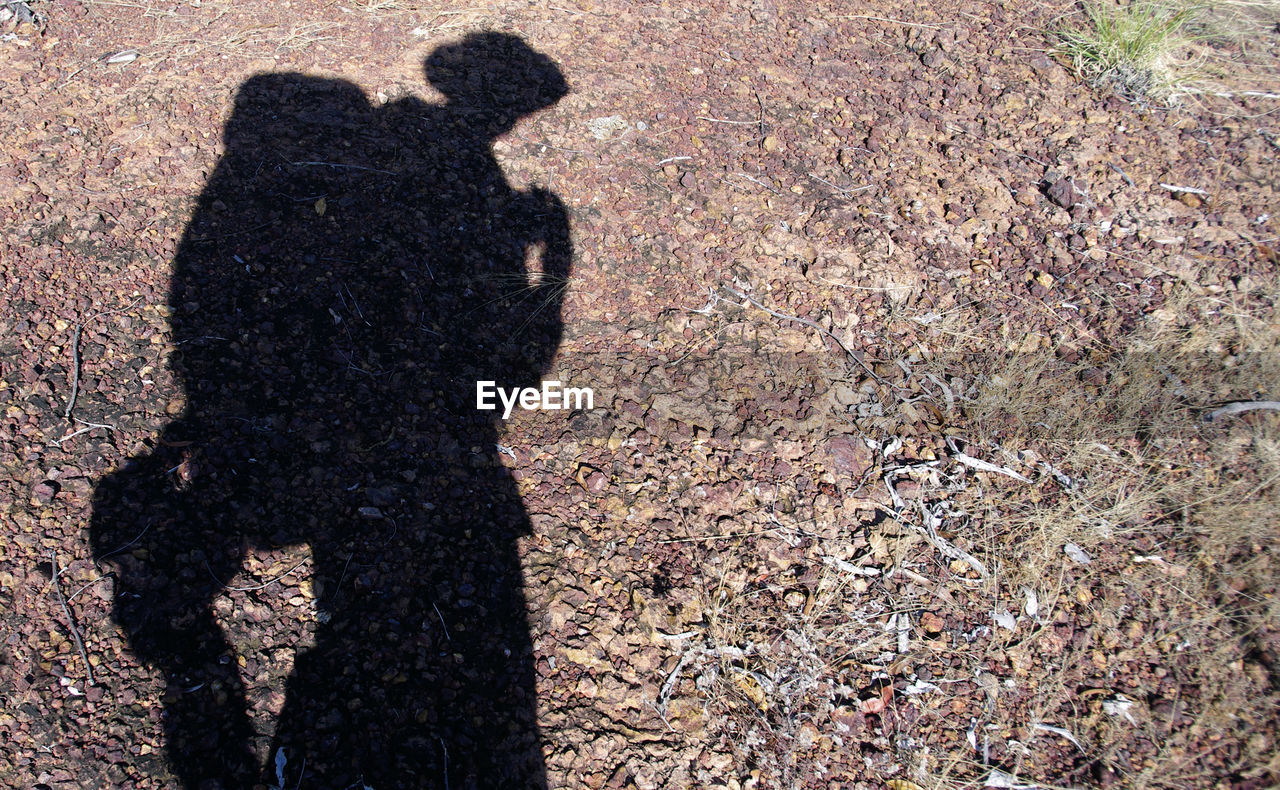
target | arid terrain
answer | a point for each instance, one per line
(934, 440)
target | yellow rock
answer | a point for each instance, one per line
(585, 658)
(752, 689)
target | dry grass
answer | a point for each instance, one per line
(1196, 501)
(775, 668)
(1180, 518)
(1237, 21)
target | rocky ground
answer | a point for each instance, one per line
(902, 341)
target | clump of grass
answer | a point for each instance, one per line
(1135, 49)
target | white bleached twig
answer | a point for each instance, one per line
(1190, 190)
(849, 567)
(1058, 731)
(979, 464)
(1242, 406)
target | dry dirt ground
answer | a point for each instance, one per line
(903, 344)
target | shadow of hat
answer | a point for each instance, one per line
(496, 72)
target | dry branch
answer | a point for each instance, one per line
(1242, 406)
(71, 623)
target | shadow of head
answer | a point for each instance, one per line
(494, 79)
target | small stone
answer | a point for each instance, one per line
(44, 492)
(1064, 193)
(849, 455)
(770, 143)
(932, 623)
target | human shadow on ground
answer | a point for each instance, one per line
(348, 275)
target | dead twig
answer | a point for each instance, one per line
(442, 625)
(891, 21)
(996, 145)
(342, 167)
(127, 545)
(928, 584)
(75, 362)
(728, 651)
(769, 187)
(71, 77)
(725, 120)
(1123, 174)
(929, 529)
(71, 622)
(709, 306)
(1239, 407)
(1188, 190)
(255, 587)
(89, 426)
(843, 190)
(980, 465)
(75, 372)
(445, 769)
(808, 323)
(87, 585)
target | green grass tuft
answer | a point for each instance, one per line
(1136, 50)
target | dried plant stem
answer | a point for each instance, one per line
(920, 25)
(75, 372)
(256, 586)
(1242, 406)
(806, 322)
(66, 610)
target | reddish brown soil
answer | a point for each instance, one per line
(904, 183)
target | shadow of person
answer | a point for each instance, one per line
(348, 275)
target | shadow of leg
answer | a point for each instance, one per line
(163, 601)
